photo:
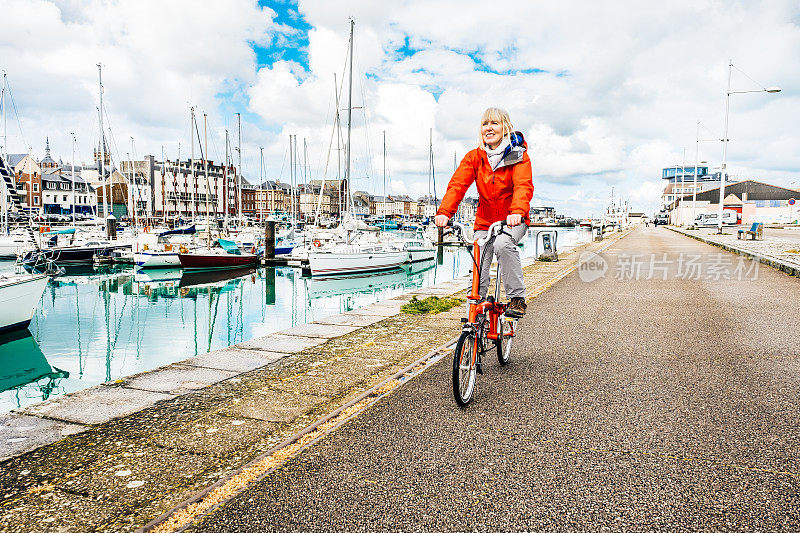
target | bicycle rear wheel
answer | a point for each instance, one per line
(464, 371)
(503, 342)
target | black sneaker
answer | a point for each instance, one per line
(517, 308)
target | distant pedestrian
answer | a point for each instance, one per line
(501, 170)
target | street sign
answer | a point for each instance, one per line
(791, 201)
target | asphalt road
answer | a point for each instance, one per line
(628, 404)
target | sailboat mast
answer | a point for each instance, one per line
(261, 189)
(384, 179)
(349, 117)
(208, 189)
(178, 173)
(163, 186)
(192, 183)
(132, 186)
(73, 179)
(101, 166)
(338, 131)
(226, 195)
(5, 122)
(239, 172)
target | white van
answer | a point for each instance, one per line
(729, 218)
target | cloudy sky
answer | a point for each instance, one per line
(606, 93)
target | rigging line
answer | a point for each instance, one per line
(113, 140)
(369, 167)
(200, 144)
(748, 77)
(16, 114)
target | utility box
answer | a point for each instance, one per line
(549, 246)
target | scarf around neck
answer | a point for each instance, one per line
(496, 156)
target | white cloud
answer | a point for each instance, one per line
(606, 94)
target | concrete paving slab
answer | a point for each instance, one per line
(235, 359)
(437, 291)
(351, 320)
(324, 331)
(273, 405)
(97, 404)
(55, 510)
(386, 308)
(215, 434)
(281, 343)
(178, 379)
(22, 433)
(333, 377)
(137, 477)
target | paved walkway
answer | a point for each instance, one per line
(642, 395)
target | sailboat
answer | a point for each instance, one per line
(358, 253)
(225, 253)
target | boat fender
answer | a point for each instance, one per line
(145, 247)
(317, 244)
(183, 249)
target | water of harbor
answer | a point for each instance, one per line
(96, 325)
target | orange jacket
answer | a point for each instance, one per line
(505, 191)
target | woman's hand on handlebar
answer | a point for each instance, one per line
(441, 220)
(512, 220)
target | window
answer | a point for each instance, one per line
(35, 187)
(35, 200)
(65, 197)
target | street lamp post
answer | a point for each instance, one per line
(724, 169)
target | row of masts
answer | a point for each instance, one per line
(344, 195)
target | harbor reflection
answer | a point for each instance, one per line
(102, 324)
(25, 374)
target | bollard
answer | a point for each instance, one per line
(269, 286)
(269, 239)
(111, 227)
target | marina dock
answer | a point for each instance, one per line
(354, 412)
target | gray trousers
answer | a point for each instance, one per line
(505, 248)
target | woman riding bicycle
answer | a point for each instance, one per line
(501, 170)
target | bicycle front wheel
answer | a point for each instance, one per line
(464, 369)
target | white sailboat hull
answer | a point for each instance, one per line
(416, 255)
(330, 263)
(157, 259)
(19, 297)
(11, 245)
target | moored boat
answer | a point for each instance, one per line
(19, 296)
(225, 255)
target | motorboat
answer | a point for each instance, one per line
(163, 253)
(19, 297)
(416, 244)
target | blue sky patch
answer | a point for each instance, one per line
(290, 45)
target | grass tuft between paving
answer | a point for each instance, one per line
(430, 305)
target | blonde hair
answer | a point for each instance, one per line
(501, 116)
